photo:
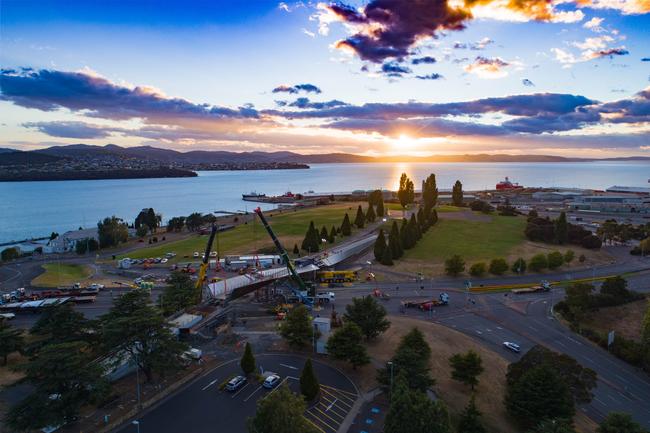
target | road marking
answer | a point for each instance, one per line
(209, 385)
(312, 423)
(289, 366)
(600, 401)
(621, 378)
(336, 422)
(478, 332)
(588, 359)
(533, 328)
(612, 398)
(240, 390)
(500, 328)
(251, 394)
(277, 386)
(353, 394)
(340, 401)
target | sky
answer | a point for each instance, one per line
(378, 77)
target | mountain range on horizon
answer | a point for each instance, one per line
(150, 153)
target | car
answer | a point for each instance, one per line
(512, 346)
(213, 254)
(195, 255)
(235, 383)
(96, 286)
(271, 381)
(163, 260)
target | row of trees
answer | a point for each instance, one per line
(404, 237)
(559, 231)
(64, 350)
(314, 238)
(406, 192)
(455, 265)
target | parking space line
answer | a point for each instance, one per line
(209, 385)
(334, 412)
(354, 395)
(312, 423)
(340, 401)
(278, 386)
(289, 366)
(240, 390)
(251, 394)
(332, 419)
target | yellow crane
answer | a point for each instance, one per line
(203, 270)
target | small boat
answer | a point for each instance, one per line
(253, 195)
(506, 184)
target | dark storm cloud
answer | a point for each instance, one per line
(394, 69)
(50, 90)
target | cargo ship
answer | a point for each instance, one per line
(287, 197)
(253, 195)
(506, 185)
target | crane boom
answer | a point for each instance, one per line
(292, 270)
(203, 270)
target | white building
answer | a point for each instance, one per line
(68, 240)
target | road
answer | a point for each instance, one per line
(202, 408)
(527, 320)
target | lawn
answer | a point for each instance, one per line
(470, 239)
(289, 226)
(61, 274)
(439, 208)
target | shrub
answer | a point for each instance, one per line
(591, 242)
(538, 263)
(498, 266)
(555, 260)
(477, 269)
(519, 266)
(454, 265)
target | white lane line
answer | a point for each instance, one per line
(331, 404)
(561, 344)
(209, 385)
(600, 401)
(252, 393)
(612, 398)
(478, 332)
(240, 390)
(499, 328)
(289, 366)
(533, 328)
(588, 359)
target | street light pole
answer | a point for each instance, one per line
(137, 424)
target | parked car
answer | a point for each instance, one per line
(512, 346)
(271, 381)
(235, 383)
(196, 254)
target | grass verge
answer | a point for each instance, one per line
(61, 274)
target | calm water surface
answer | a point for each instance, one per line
(33, 209)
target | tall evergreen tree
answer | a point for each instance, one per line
(414, 228)
(346, 227)
(380, 207)
(346, 344)
(370, 214)
(404, 235)
(309, 386)
(422, 222)
(412, 356)
(323, 233)
(470, 419)
(406, 192)
(380, 245)
(247, 362)
(387, 257)
(429, 193)
(311, 243)
(433, 217)
(332, 237)
(360, 219)
(395, 246)
(561, 229)
(457, 194)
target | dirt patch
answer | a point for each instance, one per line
(7, 375)
(465, 215)
(625, 319)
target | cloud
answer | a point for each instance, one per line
(594, 24)
(423, 60)
(417, 127)
(72, 129)
(610, 52)
(488, 67)
(645, 59)
(595, 43)
(307, 88)
(305, 103)
(50, 90)
(433, 76)
(309, 33)
(526, 82)
(394, 69)
(478, 45)
(627, 7)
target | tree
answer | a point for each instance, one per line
(311, 242)
(194, 221)
(380, 208)
(137, 331)
(645, 328)
(561, 229)
(519, 266)
(370, 214)
(466, 367)
(538, 394)
(569, 255)
(380, 245)
(394, 242)
(368, 315)
(247, 362)
(53, 235)
(64, 378)
(579, 379)
(309, 386)
(577, 298)
(582, 258)
(498, 266)
(179, 294)
(554, 259)
(332, 237)
(387, 257)
(360, 219)
(296, 250)
(175, 224)
(346, 227)
(297, 327)
(112, 231)
(142, 231)
(616, 287)
(470, 419)
(346, 344)
(591, 242)
(11, 340)
(81, 246)
(412, 357)
(455, 265)
(429, 193)
(323, 233)
(457, 194)
(280, 412)
(617, 422)
(9, 254)
(375, 197)
(477, 269)
(406, 191)
(538, 263)
(553, 426)
(414, 229)
(62, 324)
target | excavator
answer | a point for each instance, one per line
(303, 289)
(203, 270)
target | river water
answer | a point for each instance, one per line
(34, 209)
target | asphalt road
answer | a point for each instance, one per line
(202, 408)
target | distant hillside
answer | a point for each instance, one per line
(32, 158)
(155, 154)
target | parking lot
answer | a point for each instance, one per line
(203, 407)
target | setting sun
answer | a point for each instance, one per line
(405, 142)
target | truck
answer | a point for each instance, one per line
(544, 286)
(330, 277)
(427, 304)
(325, 297)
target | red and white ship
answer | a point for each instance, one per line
(506, 185)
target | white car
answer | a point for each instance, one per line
(271, 381)
(96, 286)
(195, 255)
(163, 260)
(512, 346)
(235, 383)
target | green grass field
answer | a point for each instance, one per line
(439, 208)
(290, 227)
(58, 274)
(470, 239)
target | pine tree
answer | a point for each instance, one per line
(296, 251)
(414, 230)
(346, 227)
(380, 245)
(433, 217)
(457, 194)
(370, 214)
(247, 362)
(11, 340)
(561, 229)
(429, 193)
(395, 242)
(332, 237)
(404, 235)
(380, 208)
(423, 223)
(309, 385)
(470, 419)
(323, 233)
(387, 257)
(360, 219)
(312, 239)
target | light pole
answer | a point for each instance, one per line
(390, 364)
(136, 423)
